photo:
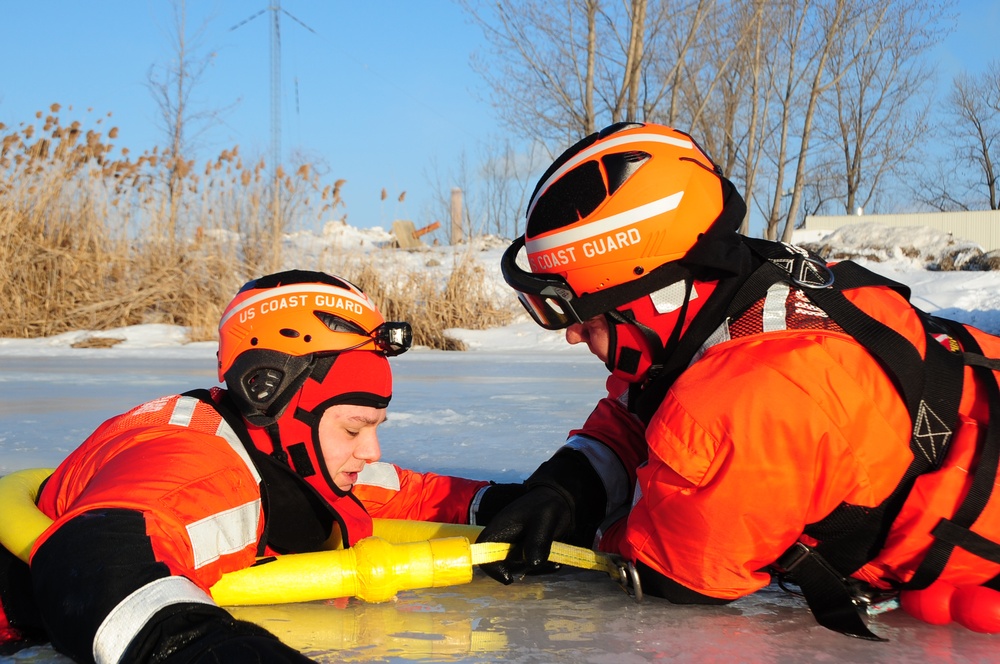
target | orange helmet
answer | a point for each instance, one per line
(611, 219)
(276, 327)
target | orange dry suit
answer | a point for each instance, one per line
(830, 431)
(160, 502)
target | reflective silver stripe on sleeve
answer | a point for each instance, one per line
(183, 411)
(132, 613)
(224, 532)
(379, 474)
(474, 507)
(775, 314)
(226, 432)
(608, 467)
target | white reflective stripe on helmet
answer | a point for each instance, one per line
(608, 467)
(603, 146)
(299, 289)
(605, 226)
(127, 619)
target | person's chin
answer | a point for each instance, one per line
(345, 481)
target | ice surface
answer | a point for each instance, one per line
(495, 412)
(489, 414)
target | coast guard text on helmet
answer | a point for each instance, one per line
(590, 248)
(321, 301)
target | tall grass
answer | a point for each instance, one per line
(431, 304)
(91, 238)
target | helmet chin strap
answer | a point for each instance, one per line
(628, 360)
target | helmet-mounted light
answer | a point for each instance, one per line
(393, 338)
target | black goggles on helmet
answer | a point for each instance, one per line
(553, 303)
(547, 297)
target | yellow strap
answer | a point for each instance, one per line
(396, 530)
(564, 554)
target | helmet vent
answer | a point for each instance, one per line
(338, 324)
(286, 332)
(261, 385)
(570, 198)
(621, 166)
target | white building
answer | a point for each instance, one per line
(981, 227)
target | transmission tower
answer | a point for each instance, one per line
(275, 44)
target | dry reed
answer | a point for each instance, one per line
(93, 241)
(433, 305)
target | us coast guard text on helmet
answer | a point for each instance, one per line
(326, 299)
(591, 248)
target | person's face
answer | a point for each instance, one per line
(348, 439)
(594, 333)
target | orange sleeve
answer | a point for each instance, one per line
(407, 494)
(612, 424)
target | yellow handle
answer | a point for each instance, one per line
(373, 570)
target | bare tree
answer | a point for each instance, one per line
(506, 181)
(542, 68)
(773, 90)
(974, 103)
(836, 18)
(624, 105)
(877, 113)
(752, 74)
(173, 86)
(458, 176)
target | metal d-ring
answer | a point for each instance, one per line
(628, 578)
(800, 269)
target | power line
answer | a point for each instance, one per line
(275, 45)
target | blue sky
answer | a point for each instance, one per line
(382, 91)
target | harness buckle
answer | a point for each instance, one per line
(804, 270)
(791, 558)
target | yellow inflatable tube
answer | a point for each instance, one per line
(23, 522)
(402, 555)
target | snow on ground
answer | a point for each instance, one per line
(494, 412)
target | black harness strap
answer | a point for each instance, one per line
(931, 388)
(851, 536)
(956, 531)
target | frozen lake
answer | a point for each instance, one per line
(481, 414)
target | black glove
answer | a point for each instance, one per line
(495, 498)
(531, 523)
(565, 501)
(206, 634)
